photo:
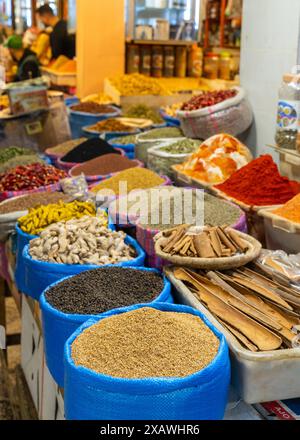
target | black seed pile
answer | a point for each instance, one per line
(89, 150)
(97, 291)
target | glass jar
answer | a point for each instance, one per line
(288, 116)
(225, 66)
(195, 63)
(169, 62)
(180, 63)
(133, 59)
(146, 61)
(157, 62)
(211, 65)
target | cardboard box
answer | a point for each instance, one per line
(32, 353)
(280, 410)
(27, 99)
(47, 397)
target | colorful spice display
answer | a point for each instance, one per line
(88, 150)
(112, 124)
(144, 112)
(137, 345)
(41, 217)
(216, 160)
(30, 177)
(136, 178)
(208, 99)
(93, 108)
(81, 241)
(291, 210)
(260, 184)
(107, 164)
(96, 291)
(29, 201)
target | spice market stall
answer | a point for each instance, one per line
(86, 248)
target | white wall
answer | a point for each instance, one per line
(269, 49)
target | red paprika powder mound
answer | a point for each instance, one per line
(259, 183)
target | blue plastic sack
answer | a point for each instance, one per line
(39, 274)
(78, 120)
(23, 240)
(201, 396)
(59, 326)
(129, 149)
(72, 101)
(170, 120)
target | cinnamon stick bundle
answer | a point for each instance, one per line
(213, 242)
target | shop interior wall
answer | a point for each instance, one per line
(100, 43)
(269, 49)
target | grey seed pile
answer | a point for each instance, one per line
(146, 343)
(99, 290)
(217, 212)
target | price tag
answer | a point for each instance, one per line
(34, 128)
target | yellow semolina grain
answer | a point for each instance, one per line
(134, 178)
(146, 343)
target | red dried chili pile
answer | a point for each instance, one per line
(259, 183)
(30, 177)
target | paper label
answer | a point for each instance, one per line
(34, 128)
(288, 114)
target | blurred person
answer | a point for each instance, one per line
(59, 37)
(42, 48)
(26, 60)
(30, 36)
(3, 34)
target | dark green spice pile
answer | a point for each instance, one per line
(97, 291)
(124, 140)
(162, 133)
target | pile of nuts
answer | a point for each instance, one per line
(81, 241)
(207, 99)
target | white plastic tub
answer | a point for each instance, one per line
(281, 234)
(257, 377)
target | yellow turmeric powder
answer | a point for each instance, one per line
(291, 210)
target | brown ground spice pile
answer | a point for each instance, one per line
(107, 164)
(28, 201)
(146, 343)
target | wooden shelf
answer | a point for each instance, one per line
(164, 42)
(280, 150)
